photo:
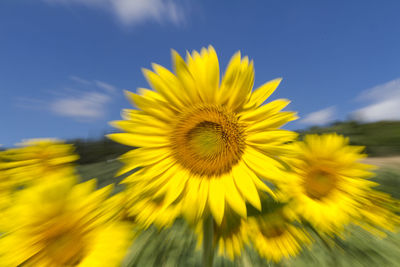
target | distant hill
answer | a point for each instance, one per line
(380, 138)
(91, 151)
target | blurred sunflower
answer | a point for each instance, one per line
(142, 207)
(230, 237)
(203, 142)
(118, 205)
(329, 183)
(60, 223)
(379, 213)
(146, 210)
(274, 236)
(7, 185)
(36, 158)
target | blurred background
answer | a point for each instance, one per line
(64, 65)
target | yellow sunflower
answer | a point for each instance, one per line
(7, 185)
(60, 223)
(274, 236)
(118, 205)
(379, 213)
(35, 158)
(230, 237)
(328, 183)
(146, 210)
(205, 142)
(144, 207)
(32, 161)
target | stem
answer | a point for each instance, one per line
(245, 259)
(208, 248)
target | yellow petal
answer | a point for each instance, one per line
(157, 174)
(237, 82)
(134, 177)
(233, 197)
(138, 128)
(185, 77)
(154, 96)
(204, 68)
(216, 199)
(265, 111)
(139, 117)
(229, 82)
(152, 107)
(142, 157)
(245, 184)
(162, 87)
(262, 93)
(191, 199)
(274, 121)
(139, 140)
(175, 186)
(202, 196)
(64, 160)
(262, 165)
(175, 87)
(270, 137)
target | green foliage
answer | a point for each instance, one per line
(389, 182)
(380, 138)
(103, 171)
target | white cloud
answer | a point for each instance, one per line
(319, 117)
(80, 80)
(85, 100)
(131, 12)
(106, 86)
(384, 103)
(109, 88)
(88, 106)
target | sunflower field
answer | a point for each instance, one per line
(211, 179)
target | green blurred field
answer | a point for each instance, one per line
(177, 246)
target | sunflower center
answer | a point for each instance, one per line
(319, 184)
(230, 226)
(208, 140)
(272, 231)
(63, 246)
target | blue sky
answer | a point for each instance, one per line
(64, 63)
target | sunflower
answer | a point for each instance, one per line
(230, 237)
(328, 183)
(36, 158)
(379, 213)
(274, 236)
(141, 206)
(7, 185)
(204, 142)
(146, 210)
(60, 223)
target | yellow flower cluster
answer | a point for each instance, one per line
(205, 149)
(210, 147)
(49, 219)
